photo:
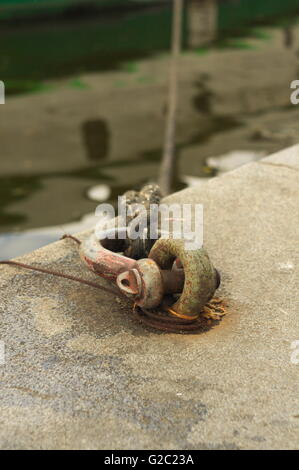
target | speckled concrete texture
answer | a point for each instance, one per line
(81, 373)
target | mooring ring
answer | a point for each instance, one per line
(201, 278)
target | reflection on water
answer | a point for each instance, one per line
(18, 244)
(107, 128)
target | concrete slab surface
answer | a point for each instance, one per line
(81, 373)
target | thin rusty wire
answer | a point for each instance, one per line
(165, 323)
(62, 275)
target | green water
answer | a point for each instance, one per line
(31, 54)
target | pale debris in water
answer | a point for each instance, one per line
(99, 193)
(232, 160)
(194, 181)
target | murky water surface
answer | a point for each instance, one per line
(31, 198)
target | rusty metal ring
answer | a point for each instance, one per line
(201, 278)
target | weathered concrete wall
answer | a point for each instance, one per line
(80, 373)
